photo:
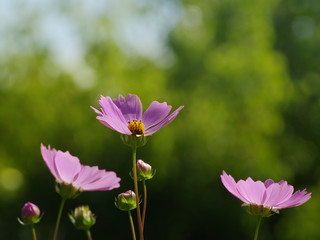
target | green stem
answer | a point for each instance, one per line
(144, 202)
(58, 218)
(134, 161)
(33, 232)
(132, 226)
(89, 235)
(257, 229)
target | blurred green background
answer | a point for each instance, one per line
(247, 73)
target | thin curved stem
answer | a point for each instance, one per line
(132, 226)
(144, 202)
(257, 229)
(59, 218)
(89, 235)
(134, 161)
(33, 232)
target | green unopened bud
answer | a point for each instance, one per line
(126, 201)
(144, 171)
(67, 191)
(82, 218)
(30, 214)
(134, 141)
(260, 210)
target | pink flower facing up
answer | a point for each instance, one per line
(264, 198)
(73, 177)
(125, 116)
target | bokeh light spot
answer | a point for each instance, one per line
(11, 179)
(303, 27)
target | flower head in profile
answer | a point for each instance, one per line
(125, 116)
(73, 177)
(264, 198)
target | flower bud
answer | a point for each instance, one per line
(82, 218)
(30, 214)
(126, 201)
(144, 171)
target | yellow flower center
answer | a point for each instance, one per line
(136, 127)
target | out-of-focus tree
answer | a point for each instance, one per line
(246, 73)
(237, 86)
(297, 30)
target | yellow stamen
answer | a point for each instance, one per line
(136, 127)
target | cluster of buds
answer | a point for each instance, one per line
(30, 214)
(126, 201)
(82, 218)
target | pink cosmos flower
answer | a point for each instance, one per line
(124, 115)
(68, 169)
(268, 195)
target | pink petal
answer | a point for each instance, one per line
(268, 182)
(48, 156)
(67, 166)
(298, 198)
(282, 182)
(111, 110)
(164, 123)
(86, 174)
(285, 192)
(155, 113)
(271, 196)
(231, 186)
(93, 179)
(100, 114)
(277, 193)
(114, 124)
(102, 182)
(97, 111)
(131, 107)
(253, 191)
